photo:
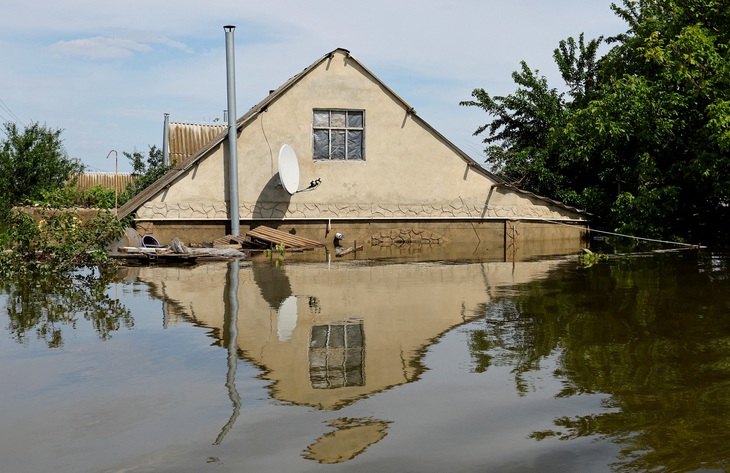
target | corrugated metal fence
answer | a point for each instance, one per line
(106, 180)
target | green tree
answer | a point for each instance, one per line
(660, 128)
(32, 162)
(521, 137)
(57, 241)
(578, 67)
(644, 141)
(146, 170)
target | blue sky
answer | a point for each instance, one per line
(106, 73)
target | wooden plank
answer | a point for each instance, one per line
(278, 237)
(285, 237)
(228, 240)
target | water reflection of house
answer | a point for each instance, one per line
(382, 167)
(327, 335)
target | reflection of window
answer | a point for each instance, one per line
(338, 134)
(337, 355)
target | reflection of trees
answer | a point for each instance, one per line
(651, 332)
(46, 303)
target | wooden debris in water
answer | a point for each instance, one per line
(229, 241)
(265, 237)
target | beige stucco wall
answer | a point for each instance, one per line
(401, 308)
(433, 239)
(408, 172)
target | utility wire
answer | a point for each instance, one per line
(688, 245)
(14, 117)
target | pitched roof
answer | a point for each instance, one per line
(183, 166)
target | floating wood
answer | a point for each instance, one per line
(229, 241)
(156, 257)
(269, 237)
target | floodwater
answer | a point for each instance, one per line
(359, 366)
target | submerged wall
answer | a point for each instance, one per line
(502, 240)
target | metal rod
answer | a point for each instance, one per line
(116, 179)
(232, 132)
(166, 141)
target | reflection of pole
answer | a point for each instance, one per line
(116, 178)
(230, 339)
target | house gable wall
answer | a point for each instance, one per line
(409, 171)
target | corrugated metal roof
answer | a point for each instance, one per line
(186, 139)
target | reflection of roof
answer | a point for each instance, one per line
(351, 438)
(186, 139)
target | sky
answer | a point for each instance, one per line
(105, 73)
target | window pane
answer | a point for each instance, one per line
(321, 144)
(338, 144)
(354, 336)
(354, 119)
(321, 118)
(337, 336)
(338, 118)
(354, 144)
(319, 336)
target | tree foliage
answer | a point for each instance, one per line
(57, 241)
(146, 170)
(642, 136)
(32, 161)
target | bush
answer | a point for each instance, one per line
(57, 241)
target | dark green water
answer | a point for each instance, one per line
(460, 367)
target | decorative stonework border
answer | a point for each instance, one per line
(454, 209)
(405, 236)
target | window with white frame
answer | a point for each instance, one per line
(339, 134)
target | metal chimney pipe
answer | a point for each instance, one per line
(166, 141)
(232, 132)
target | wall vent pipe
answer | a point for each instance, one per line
(232, 132)
(166, 141)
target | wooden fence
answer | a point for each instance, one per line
(106, 180)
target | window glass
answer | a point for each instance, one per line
(337, 141)
(338, 119)
(321, 144)
(354, 120)
(354, 144)
(321, 118)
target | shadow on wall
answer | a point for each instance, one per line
(273, 201)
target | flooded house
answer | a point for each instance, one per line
(335, 150)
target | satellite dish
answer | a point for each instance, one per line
(289, 169)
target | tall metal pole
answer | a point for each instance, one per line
(232, 132)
